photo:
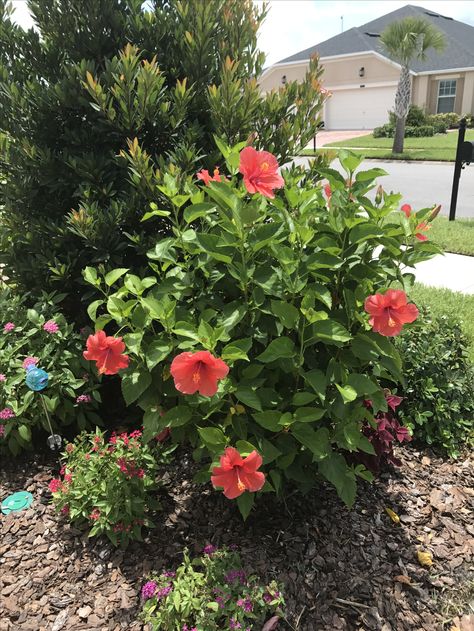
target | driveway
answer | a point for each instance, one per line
(423, 184)
(325, 137)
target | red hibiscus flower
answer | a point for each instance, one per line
(422, 227)
(198, 372)
(206, 178)
(328, 191)
(260, 171)
(106, 351)
(237, 474)
(390, 311)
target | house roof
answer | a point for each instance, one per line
(458, 53)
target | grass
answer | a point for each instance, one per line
(439, 147)
(453, 236)
(453, 304)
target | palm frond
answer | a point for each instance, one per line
(411, 38)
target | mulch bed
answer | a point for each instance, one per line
(350, 570)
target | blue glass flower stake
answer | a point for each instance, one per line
(37, 380)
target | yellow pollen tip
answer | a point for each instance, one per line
(265, 166)
(241, 486)
(196, 377)
(391, 322)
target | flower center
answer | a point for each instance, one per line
(391, 321)
(240, 484)
(265, 166)
(197, 373)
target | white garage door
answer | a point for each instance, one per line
(359, 108)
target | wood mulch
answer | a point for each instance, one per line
(350, 570)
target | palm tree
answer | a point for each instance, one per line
(405, 41)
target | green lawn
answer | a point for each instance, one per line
(446, 302)
(453, 236)
(440, 147)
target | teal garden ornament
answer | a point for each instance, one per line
(37, 380)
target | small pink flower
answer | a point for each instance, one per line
(69, 448)
(65, 510)
(83, 398)
(2, 377)
(30, 361)
(6, 414)
(95, 514)
(9, 326)
(68, 477)
(55, 486)
(51, 327)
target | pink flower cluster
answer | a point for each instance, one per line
(121, 527)
(2, 431)
(83, 398)
(9, 326)
(30, 361)
(2, 377)
(50, 327)
(95, 515)
(129, 468)
(55, 486)
(6, 414)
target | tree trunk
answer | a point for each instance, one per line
(402, 105)
(399, 137)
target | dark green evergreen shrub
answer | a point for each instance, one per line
(105, 95)
(416, 117)
(439, 392)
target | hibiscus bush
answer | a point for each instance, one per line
(211, 592)
(265, 321)
(107, 484)
(41, 337)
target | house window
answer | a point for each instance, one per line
(446, 96)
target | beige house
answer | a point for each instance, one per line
(363, 80)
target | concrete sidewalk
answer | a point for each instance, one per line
(450, 271)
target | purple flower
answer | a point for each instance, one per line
(234, 624)
(235, 575)
(2, 377)
(83, 398)
(6, 413)
(164, 591)
(169, 574)
(51, 327)
(148, 590)
(30, 361)
(9, 326)
(245, 604)
(186, 628)
(209, 549)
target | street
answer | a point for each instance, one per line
(423, 184)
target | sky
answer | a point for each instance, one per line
(293, 25)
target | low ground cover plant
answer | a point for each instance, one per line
(208, 593)
(265, 321)
(41, 337)
(107, 484)
(438, 404)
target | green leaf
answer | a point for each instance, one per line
(269, 451)
(212, 435)
(347, 393)
(245, 503)
(269, 420)
(365, 231)
(156, 352)
(316, 441)
(317, 380)
(155, 213)
(334, 468)
(191, 213)
(370, 174)
(280, 348)
(244, 448)
(114, 275)
(134, 384)
(362, 384)
(350, 161)
(330, 331)
(133, 342)
(90, 276)
(92, 308)
(307, 415)
(303, 398)
(236, 350)
(286, 313)
(25, 432)
(248, 396)
(177, 416)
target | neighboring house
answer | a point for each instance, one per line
(363, 79)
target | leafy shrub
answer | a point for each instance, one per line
(275, 288)
(388, 131)
(209, 593)
(107, 484)
(41, 336)
(416, 117)
(450, 119)
(439, 394)
(100, 100)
